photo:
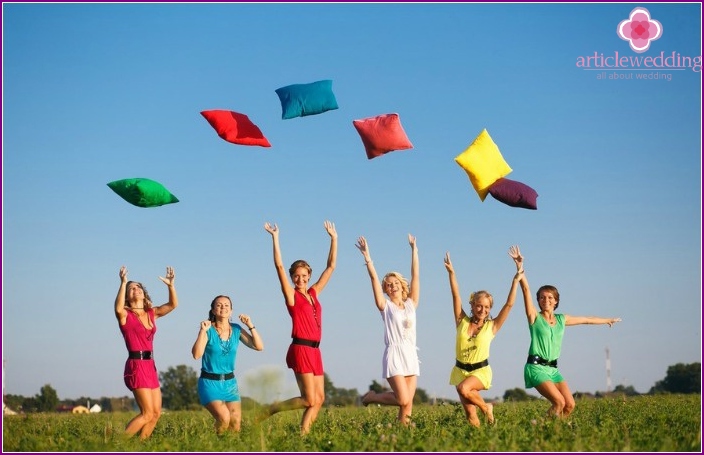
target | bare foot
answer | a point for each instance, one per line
(490, 413)
(367, 397)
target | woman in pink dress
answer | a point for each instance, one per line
(136, 317)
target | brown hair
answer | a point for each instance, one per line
(551, 289)
(147, 299)
(211, 315)
(298, 264)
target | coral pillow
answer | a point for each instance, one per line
(483, 163)
(382, 134)
(235, 127)
(515, 194)
(142, 192)
(299, 100)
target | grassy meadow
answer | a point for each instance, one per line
(662, 423)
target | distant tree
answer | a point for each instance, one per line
(337, 396)
(626, 390)
(122, 404)
(14, 402)
(681, 378)
(378, 388)
(421, 396)
(517, 394)
(47, 400)
(179, 388)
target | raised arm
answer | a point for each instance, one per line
(415, 275)
(577, 320)
(515, 253)
(379, 298)
(286, 288)
(201, 340)
(168, 307)
(531, 311)
(455, 289)
(332, 258)
(252, 339)
(120, 312)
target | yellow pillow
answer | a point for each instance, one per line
(483, 163)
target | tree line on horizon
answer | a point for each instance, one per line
(180, 392)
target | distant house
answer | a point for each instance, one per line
(80, 410)
(7, 411)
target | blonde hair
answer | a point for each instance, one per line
(405, 290)
(474, 296)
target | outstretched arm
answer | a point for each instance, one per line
(120, 312)
(515, 253)
(169, 306)
(252, 339)
(577, 320)
(415, 274)
(379, 298)
(455, 289)
(332, 258)
(286, 288)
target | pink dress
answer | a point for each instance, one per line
(139, 373)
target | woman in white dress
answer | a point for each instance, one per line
(400, 365)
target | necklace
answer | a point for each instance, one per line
(225, 345)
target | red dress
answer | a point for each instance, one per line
(139, 373)
(306, 319)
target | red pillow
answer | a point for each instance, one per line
(515, 194)
(382, 134)
(235, 127)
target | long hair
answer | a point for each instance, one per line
(405, 290)
(474, 296)
(551, 289)
(147, 299)
(211, 315)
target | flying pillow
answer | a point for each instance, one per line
(299, 100)
(142, 192)
(382, 134)
(515, 194)
(235, 127)
(483, 163)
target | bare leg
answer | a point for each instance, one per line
(235, 410)
(149, 402)
(468, 390)
(219, 411)
(559, 395)
(403, 390)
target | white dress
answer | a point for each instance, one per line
(400, 355)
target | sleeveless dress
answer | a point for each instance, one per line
(140, 373)
(307, 324)
(401, 354)
(219, 357)
(545, 341)
(473, 350)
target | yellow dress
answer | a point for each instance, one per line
(473, 350)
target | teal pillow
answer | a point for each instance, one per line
(142, 192)
(299, 100)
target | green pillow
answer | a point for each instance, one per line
(142, 192)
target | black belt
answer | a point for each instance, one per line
(471, 366)
(537, 360)
(140, 355)
(304, 342)
(217, 377)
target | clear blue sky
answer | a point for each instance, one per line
(95, 93)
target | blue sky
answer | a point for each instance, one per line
(95, 93)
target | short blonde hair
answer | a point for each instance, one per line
(405, 290)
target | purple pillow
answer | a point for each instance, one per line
(515, 194)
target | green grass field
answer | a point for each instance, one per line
(663, 423)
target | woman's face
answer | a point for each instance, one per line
(135, 292)
(546, 301)
(222, 308)
(300, 278)
(392, 285)
(481, 307)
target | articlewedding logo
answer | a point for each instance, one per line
(639, 29)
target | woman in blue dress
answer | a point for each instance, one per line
(217, 343)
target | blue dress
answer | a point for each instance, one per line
(219, 357)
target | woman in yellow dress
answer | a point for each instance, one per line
(472, 372)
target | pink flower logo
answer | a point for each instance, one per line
(639, 29)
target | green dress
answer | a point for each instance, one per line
(546, 342)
